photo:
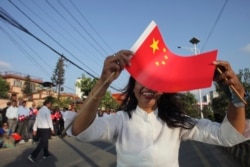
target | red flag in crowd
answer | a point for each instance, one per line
(156, 67)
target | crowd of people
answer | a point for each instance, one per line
(17, 122)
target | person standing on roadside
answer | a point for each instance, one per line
(32, 117)
(43, 127)
(12, 115)
(23, 120)
(3, 112)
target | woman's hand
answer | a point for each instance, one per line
(228, 77)
(114, 64)
(236, 114)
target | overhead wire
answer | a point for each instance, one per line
(52, 27)
(80, 25)
(63, 17)
(6, 17)
(80, 34)
(214, 25)
(95, 31)
(49, 35)
(92, 27)
(27, 45)
(24, 51)
(56, 24)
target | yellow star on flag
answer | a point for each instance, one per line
(154, 45)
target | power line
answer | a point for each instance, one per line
(91, 26)
(48, 34)
(81, 35)
(5, 16)
(82, 27)
(61, 34)
(214, 25)
(94, 30)
(24, 51)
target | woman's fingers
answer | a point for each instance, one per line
(114, 64)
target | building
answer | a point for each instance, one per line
(210, 96)
(40, 89)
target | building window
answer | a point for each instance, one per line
(17, 83)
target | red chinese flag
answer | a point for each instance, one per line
(156, 67)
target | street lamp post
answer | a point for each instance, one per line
(196, 51)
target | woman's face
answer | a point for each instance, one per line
(147, 98)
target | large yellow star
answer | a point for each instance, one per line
(154, 45)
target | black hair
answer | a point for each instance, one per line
(47, 101)
(170, 108)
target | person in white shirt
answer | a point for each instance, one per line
(12, 115)
(23, 122)
(42, 129)
(150, 125)
(68, 117)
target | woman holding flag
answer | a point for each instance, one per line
(151, 124)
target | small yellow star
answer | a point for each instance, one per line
(154, 45)
(157, 63)
(163, 62)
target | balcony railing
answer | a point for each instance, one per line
(12, 74)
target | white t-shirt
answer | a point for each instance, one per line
(12, 112)
(43, 119)
(146, 141)
(23, 111)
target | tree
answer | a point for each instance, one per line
(244, 76)
(58, 75)
(4, 88)
(108, 102)
(190, 105)
(85, 85)
(27, 89)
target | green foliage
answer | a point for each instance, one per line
(51, 99)
(108, 102)
(190, 105)
(244, 76)
(62, 102)
(207, 112)
(86, 85)
(4, 88)
(220, 103)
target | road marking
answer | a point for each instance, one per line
(108, 148)
(202, 157)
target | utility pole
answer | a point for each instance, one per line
(196, 51)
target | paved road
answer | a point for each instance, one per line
(68, 152)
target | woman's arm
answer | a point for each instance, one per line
(113, 66)
(236, 114)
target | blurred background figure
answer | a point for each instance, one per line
(3, 112)
(6, 139)
(32, 117)
(12, 115)
(23, 122)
